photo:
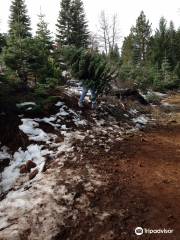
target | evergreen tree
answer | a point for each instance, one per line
(171, 50)
(16, 57)
(165, 69)
(41, 51)
(177, 69)
(157, 78)
(63, 36)
(2, 42)
(38, 60)
(114, 54)
(127, 50)
(19, 21)
(79, 32)
(18, 52)
(72, 26)
(43, 34)
(141, 36)
(160, 43)
(177, 45)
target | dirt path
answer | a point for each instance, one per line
(142, 180)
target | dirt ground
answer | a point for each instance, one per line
(139, 186)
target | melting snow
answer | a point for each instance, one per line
(25, 104)
(4, 153)
(11, 173)
(59, 104)
(141, 119)
(30, 127)
(133, 111)
(62, 113)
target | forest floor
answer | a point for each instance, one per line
(104, 180)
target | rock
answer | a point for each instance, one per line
(33, 174)
(30, 164)
(23, 169)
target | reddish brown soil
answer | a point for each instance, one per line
(142, 188)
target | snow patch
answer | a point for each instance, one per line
(24, 104)
(133, 111)
(4, 153)
(59, 104)
(12, 172)
(141, 120)
(30, 127)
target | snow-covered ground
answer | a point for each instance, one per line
(44, 143)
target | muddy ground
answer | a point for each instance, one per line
(142, 180)
(139, 185)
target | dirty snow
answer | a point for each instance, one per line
(4, 153)
(133, 111)
(12, 172)
(24, 104)
(159, 94)
(59, 104)
(46, 202)
(37, 153)
(30, 128)
(141, 120)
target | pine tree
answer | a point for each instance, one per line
(114, 54)
(41, 51)
(171, 50)
(127, 50)
(72, 26)
(141, 35)
(18, 52)
(165, 68)
(43, 34)
(177, 45)
(79, 34)
(160, 43)
(177, 69)
(16, 56)
(2, 42)
(63, 36)
(19, 21)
